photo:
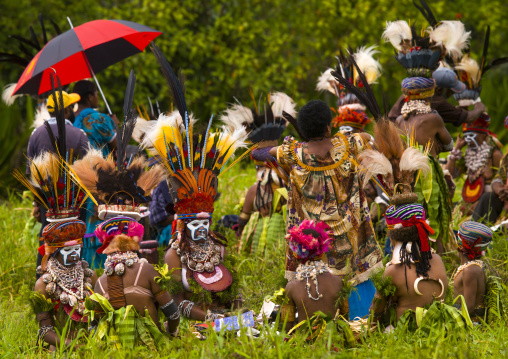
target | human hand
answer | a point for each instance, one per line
(36, 213)
(460, 143)
(479, 106)
(115, 119)
(503, 194)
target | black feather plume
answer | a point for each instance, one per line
(426, 12)
(485, 51)
(292, 121)
(59, 143)
(43, 28)
(367, 97)
(35, 40)
(125, 133)
(55, 27)
(172, 80)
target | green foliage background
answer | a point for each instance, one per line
(226, 47)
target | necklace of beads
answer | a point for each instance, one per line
(201, 257)
(476, 158)
(115, 263)
(71, 285)
(418, 107)
(311, 270)
(470, 263)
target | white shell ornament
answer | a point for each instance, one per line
(119, 269)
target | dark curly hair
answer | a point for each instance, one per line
(313, 118)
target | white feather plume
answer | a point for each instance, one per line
(7, 94)
(176, 114)
(470, 66)
(397, 32)
(374, 163)
(41, 115)
(451, 35)
(366, 62)
(236, 115)
(281, 102)
(142, 126)
(325, 82)
(156, 133)
(413, 160)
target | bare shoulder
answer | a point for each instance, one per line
(473, 271)
(171, 258)
(436, 260)
(40, 286)
(290, 287)
(434, 118)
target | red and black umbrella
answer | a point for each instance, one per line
(82, 52)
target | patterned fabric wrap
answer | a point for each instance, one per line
(61, 234)
(119, 225)
(329, 189)
(481, 124)
(416, 88)
(473, 238)
(417, 83)
(349, 117)
(309, 240)
(409, 215)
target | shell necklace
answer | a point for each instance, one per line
(312, 270)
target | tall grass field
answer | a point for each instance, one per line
(261, 277)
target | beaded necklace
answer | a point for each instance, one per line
(477, 262)
(115, 263)
(312, 270)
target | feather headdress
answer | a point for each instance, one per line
(265, 121)
(470, 72)
(399, 34)
(41, 116)
(452, 37)
(393, 163)
(52, 182)
(192, 162)
(120, 186)
(309, 240)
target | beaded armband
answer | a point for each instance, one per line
(171, 310)
(45, 330)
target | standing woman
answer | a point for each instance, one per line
(101, 131)
(324, 185)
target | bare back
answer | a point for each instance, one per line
(139, 288)
(406, 297)
(328, 285)
(472, 284)
(426, 127)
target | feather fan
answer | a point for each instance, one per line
(367, 63)
(142, 126)
(373, 163)
(237, 116)
(399, 34)
(280, 103)
(325, 82)
(7, 94)
(452, 36)
(41, 116)
(413, 160)
(472, 70)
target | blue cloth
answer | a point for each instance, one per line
(99, 128)
(160, 199)
(90, 241)
(388, 246)
(164, 235)
(361, 299)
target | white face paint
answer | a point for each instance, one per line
(199, 229)
(346, 129)
(71, 254)
(470, 138)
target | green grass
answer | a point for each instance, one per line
(261, 276)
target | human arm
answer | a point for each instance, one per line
(248, 207)
(442, 133)
(166, 303)
(44, 317)
(288, 311)
(477, 110)
(454, 156)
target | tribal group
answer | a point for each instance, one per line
(337, 198)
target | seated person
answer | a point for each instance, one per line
(314, 288)
(470, 280)
(491, 204)
(418, 274)
(128, 280)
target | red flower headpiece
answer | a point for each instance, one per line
(309, 240)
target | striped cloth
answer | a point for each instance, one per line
(417, 83)
(473, 238)
(394, 214)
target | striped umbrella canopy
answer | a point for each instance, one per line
(82, 52)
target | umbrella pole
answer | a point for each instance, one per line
(93, 74)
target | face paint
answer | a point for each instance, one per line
(71, 254)
(199, 229)
(346, 129)
(470, 138)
